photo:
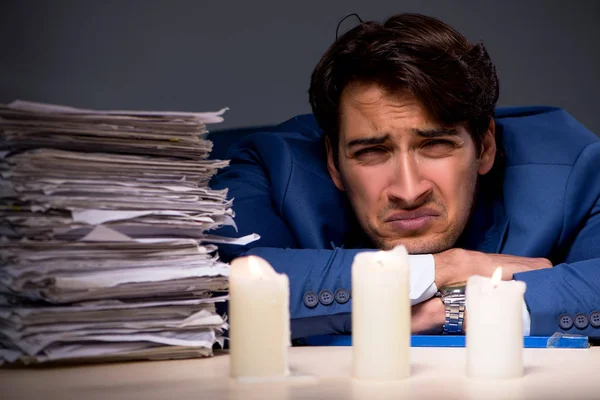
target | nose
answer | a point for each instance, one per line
(407, 184)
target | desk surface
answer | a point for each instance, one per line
(437, 373)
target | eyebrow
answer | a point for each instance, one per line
(369, 140)
(434, 133)
(426, 133)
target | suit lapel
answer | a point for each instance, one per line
(495, 236)
(487, 227)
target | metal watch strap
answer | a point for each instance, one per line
(455, 314)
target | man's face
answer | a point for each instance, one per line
(410, 180)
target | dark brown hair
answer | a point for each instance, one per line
(454, 79)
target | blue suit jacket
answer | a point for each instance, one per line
(542, 201)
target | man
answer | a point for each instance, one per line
(411, 151)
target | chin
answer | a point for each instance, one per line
(415, 245)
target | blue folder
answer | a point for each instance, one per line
(557, 340)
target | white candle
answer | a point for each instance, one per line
(494, 327)
(259, 319)
(381, 315)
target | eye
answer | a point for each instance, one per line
(371, 155)
(369, 150)
(439, 143)
(438, 148)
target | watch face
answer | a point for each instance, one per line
(454, 289)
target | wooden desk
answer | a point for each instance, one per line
(437, 373)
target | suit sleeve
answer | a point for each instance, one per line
(255, 181)
(309, 270)
(572, 288)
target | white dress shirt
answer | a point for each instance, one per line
(422, 284)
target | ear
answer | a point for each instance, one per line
(333, 171)
(488, 149)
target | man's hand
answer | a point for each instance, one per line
(456, 265)
(428, 317)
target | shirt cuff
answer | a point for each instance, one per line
(422, 278)
(526, 320)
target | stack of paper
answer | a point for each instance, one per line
(103, 225)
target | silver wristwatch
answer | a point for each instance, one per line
(453, 297)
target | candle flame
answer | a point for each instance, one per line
(497, 277)
(254, 267)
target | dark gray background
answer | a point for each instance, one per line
(256, 57)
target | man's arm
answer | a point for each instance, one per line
(315, 274)
(570, 289)
(456, 265)
(565, 298)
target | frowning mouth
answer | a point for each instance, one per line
(411, 220)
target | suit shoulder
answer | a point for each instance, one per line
(298, 140)
(541, 135)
